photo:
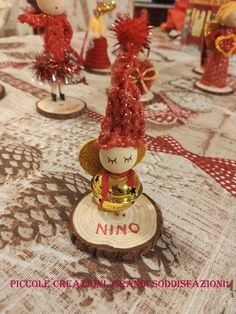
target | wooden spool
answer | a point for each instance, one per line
(70, 108)
(2, 91)
(227, 90)
(122, 235)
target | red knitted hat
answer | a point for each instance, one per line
(94, 49)
(124, 123)
(97, 56)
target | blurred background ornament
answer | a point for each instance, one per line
(198, 14)
(144, 75)
(175, 19)
(221, 40)
(94, 51)
(59, 63)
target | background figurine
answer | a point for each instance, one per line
(144, 75)
(94, 50)
(134, 221)
(221, 40)
(143, 72)
(59, 62)
(175, 19)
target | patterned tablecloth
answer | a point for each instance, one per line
(41, 181)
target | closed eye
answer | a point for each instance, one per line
(112, 161)
(128, 159)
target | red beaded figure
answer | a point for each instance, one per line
(221, 40)
(58, 63)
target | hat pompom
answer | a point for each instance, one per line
(132, 33)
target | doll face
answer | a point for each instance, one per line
(230, 20)
(118, 159)
(52, 7)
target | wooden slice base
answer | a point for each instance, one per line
(198, 70)
(124, 235)
(99, 71)
(227, 90)
(70, 108)
(147, 98)
(2, 91)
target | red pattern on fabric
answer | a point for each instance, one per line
(93, 115)
(12, 64)
(169, 115)
(221, 170)
(181, 114)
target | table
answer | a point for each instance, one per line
(41, 181)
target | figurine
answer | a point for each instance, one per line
(221, 40)
(94, 50)
(121, 142)
(59, 62)
(117, 220)
(144, 75)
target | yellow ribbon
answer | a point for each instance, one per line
(221, 50)
(141, 77)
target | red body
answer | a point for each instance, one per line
(57, 32)
(216, 68)
(59, 61)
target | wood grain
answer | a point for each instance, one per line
(122, 236)
(68, 109)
